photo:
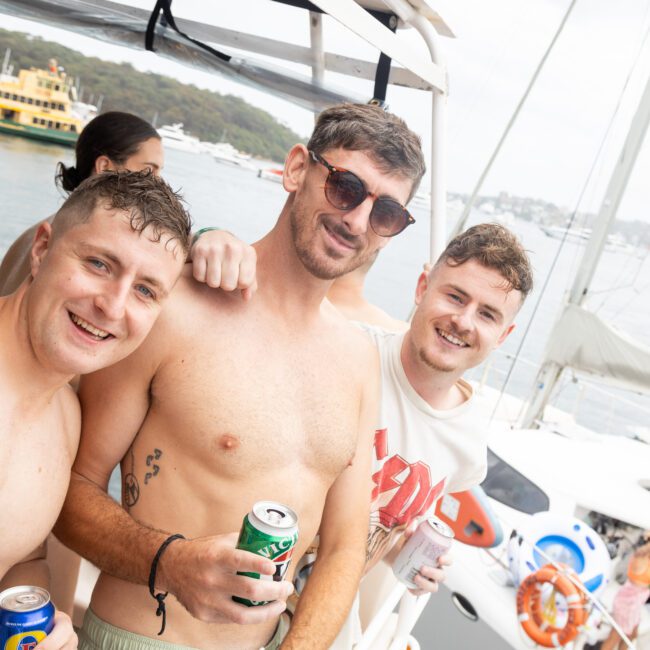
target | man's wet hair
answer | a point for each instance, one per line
(495, 247)
(381, 135)
(149, 200)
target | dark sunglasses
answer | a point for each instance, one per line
(345, 191)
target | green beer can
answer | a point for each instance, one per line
(270, 529)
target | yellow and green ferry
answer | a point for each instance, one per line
(37, 104)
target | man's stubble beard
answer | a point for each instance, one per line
(318, 266)
(428, 361)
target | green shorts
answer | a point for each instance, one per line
(96, 634)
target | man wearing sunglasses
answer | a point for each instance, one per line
(230, 402)
(428, 441)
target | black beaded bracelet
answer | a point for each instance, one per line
(160, 598)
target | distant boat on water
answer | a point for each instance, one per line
(225, 153)
(271, 174)
(615, 242)
(173, 136)
(40, 104)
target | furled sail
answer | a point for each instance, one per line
(581, 340)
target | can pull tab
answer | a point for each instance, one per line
(275, 516)
(27, 599)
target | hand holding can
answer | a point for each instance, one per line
(269, 530)
(26, 617)
(431, 540)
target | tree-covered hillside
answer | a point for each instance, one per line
(208, 115)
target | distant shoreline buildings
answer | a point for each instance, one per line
(504, 207)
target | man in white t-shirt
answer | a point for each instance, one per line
(429, 442)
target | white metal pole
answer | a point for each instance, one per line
(318, 56)
(410, 608)
(380, 618)
(612, 199)
(438, 169)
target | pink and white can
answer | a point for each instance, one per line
(431, 539)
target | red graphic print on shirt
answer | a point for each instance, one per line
(402, 491)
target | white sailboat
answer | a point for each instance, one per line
(600, 479)
(571, 486)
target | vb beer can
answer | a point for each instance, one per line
(270, 530)
(26, 617)
(431, 539)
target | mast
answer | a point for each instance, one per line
(550, 371)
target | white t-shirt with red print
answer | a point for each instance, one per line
(420, 453)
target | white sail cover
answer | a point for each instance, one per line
(584, 342)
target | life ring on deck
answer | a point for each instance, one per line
(566, 540)
(531, 600)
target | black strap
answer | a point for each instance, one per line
(383, 65)
(160, 597)
(388, 19)
(164, 6)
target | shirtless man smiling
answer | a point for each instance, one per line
(99, 275)
(230, 402)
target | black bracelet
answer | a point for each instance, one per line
(152, 581)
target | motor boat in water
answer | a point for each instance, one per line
(224, 152)
(273, 174)
(173, 137)
(615, 242)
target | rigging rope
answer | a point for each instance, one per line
(570, 223)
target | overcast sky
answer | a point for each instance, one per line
(499, 43)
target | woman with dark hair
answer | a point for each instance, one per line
(111, 141)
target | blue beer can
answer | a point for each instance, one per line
(26, 617)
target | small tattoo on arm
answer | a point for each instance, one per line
(155, 456)
(131, 490)
(157, 453)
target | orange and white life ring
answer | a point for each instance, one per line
(530, 606)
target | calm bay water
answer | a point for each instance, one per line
(236, 199)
